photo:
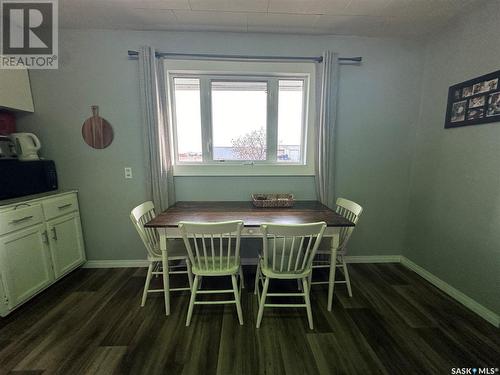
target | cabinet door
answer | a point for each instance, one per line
(25, 263)
(66, 244)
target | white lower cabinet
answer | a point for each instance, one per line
(26, 265)
(66, 243)
(40, 241)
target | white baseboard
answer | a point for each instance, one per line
(125, 263)
(373, 258)
(349, 259)
(465, 300)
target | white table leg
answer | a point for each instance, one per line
(333, 266)
(166, 284)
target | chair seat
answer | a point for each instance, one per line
(214, 267)
(175, 250)
(268, 272)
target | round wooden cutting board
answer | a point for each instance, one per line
(96, 131)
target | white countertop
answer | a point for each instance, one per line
(25, 198)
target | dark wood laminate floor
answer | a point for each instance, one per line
(396, 322)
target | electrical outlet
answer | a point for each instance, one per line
(128, 172)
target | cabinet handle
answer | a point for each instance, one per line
(64, 206)
(45, 237)
(54, 233)
(16, 221)
(20, 205)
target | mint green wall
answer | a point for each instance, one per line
(239, 188)
(378, 106)
(454, 215)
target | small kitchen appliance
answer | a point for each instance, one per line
(20, 178)
(27, 146)
(7, 148)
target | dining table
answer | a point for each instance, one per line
(167, 225)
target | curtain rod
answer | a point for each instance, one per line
(134, 54)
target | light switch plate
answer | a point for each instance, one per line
(128, 172)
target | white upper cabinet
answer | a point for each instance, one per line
(15, 90)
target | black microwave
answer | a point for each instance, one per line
(19, 178)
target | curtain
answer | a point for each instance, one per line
(155, 126)
(325, 139)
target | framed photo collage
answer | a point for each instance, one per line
(474, 102)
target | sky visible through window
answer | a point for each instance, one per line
(290, 112)
(188, 119)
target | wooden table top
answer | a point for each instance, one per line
(302, 212)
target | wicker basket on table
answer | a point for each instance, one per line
(274, 200)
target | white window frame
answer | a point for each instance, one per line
(228, 70)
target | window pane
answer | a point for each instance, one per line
(188, 119)
(290, 112)
(239, 117)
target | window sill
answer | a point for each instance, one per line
(243, 170)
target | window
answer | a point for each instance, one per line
(188, 119)
(290, 117)
(238, 121)
(239, 118)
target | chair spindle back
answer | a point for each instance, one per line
(351, 211)
(149, 236)
(291, 248)
(212, 246)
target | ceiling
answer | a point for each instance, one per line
(340, 17)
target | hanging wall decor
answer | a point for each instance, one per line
(476, 101)
(96, 131)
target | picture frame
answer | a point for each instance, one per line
(474, 102)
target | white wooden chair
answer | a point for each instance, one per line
(351, 211)
(214, 250)
(288, 252)
(175, 252)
